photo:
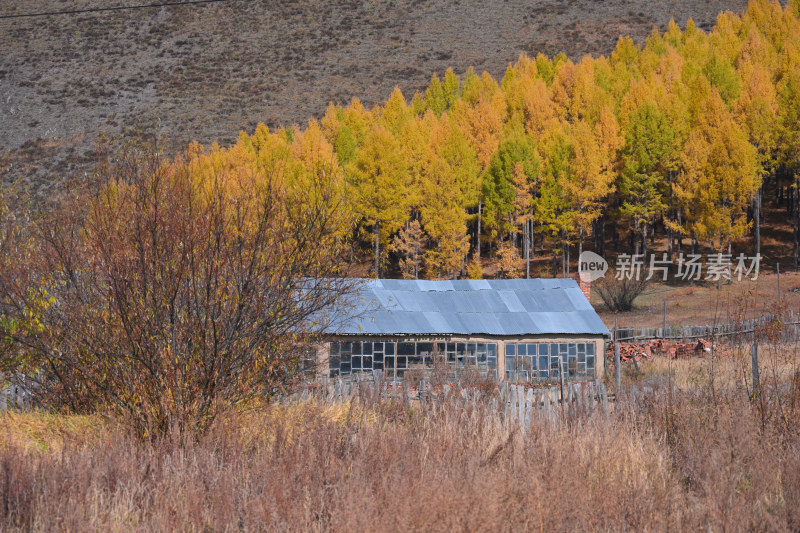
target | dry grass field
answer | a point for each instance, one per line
(205, 72)
(702, 459)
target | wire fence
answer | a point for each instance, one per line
(786, 328)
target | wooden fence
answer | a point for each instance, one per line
(14, 394)
(745, 330)
(515, 403)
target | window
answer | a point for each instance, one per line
(349, 357)
(359, 356)
(529, 361)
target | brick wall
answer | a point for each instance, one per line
(586, 286)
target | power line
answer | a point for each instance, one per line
(117, 8)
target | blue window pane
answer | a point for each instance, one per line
(492, 350)
(355, 362)
(553, 349)
(389, 362)
(344, 368)
(402, 362)
(511, 363)
(366, 348)
(347, 347)
(542, 349)
(334, 348)
(511, 349)
(533, 363)
(590, 361)
(581, 347)
(573, 349)
(581, 357)
(542, 362)
(366, 364)
(356, 348)
(377, 358)
(389, 348)
(492, 362)
(377, 347)
(562, 348)
(590, 348)
(522, 349)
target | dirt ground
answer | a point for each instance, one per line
(702, 304)
(205, 72)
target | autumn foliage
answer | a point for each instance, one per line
(675, 136)
(166, 291)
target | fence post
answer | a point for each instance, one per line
(617, 370)
(756, 381)
(778, 269)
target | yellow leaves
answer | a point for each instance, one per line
(540, 113)
(720, 173)
(482, 125)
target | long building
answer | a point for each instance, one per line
(518, 330)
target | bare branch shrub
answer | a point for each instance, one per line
(165, 291)
(619, 294)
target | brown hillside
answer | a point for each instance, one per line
(205, 72)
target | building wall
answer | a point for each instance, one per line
(598, 341)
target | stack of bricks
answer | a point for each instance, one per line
(670, 349)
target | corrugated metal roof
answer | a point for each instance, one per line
(469, 307)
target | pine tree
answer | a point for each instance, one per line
(380, 179)
(649, 144)
(409, 246)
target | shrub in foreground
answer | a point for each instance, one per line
(165, 290)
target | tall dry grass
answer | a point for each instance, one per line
(686, 461)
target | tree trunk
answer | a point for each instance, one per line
(670, 214)
(601, 249)
(796, 224)
(377, 248)
(478, 233)
(527, 249)
(757, 222)
(644, 239)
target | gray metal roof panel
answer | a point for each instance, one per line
(470, 307)
(511, 301)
